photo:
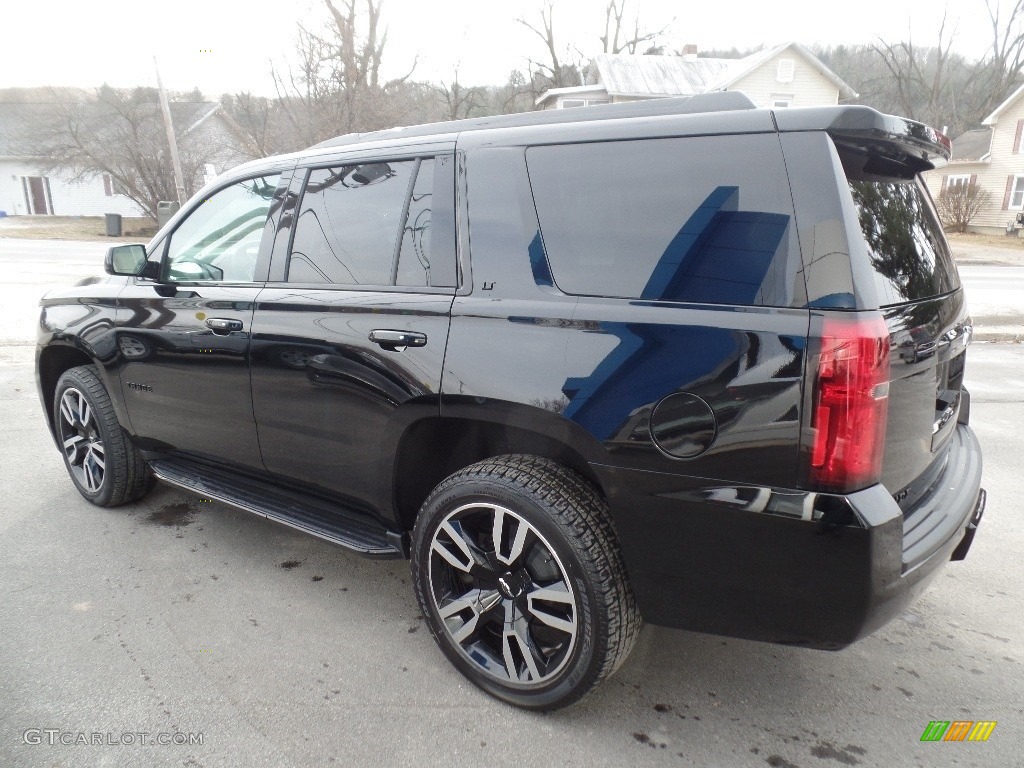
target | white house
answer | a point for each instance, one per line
(993, 158)
(787, 75)
(26, 187)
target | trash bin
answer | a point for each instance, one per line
(113, 224)
(165, 209)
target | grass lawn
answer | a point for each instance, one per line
(133, 228)
(970, 238)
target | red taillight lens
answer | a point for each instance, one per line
(850, 400)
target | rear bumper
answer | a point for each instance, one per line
(789, 566)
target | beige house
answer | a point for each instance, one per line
(787, 75)
(993, 158)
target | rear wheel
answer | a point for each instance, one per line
(100, 458)
(521, 582)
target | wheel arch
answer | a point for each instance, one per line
(435, 447)
(51, 363)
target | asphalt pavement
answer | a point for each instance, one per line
(244, 643)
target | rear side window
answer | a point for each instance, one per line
(909, 254)
(703, 219)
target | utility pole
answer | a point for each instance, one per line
(179, 182)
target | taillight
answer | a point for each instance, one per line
(849, 404)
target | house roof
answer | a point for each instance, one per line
(628, 75)
(994, 117)
(624, 74)
(972, 146)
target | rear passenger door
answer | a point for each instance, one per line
(349, 335)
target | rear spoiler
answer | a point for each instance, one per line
(896, 142)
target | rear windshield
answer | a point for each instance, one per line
(908, 252)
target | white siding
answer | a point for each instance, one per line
(69, 198)
(809, 87)
(992, 175)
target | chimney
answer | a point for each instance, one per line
(690, 52)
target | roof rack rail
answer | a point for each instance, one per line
(719, 101)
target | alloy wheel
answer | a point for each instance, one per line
(81, 440)
(503, 595)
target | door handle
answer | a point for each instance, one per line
(222, 326)
(393, 340)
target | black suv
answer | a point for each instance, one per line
(683, 361)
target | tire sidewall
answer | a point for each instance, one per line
(583, 665)
(71, 380)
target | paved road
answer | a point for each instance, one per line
(176, 616)
(29, 267)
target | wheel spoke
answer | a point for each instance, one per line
(462, 558)
(515, 645)
(517, 537)
(559, 594)
(93, 475)
(66, 409)
(474, 603)
(98, 456)
(85, 414)
(71, 446)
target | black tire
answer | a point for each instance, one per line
(90, 436)
(575, 640)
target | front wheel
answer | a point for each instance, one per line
(105, 466)
(521, 582)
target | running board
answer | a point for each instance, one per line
(353, 530)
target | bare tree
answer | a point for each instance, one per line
(960, 203)
(616, 40)
(1001, 70)
(555, 72)
(922, 76)
(258, 124)
(118, 132)
(335, 85)
(460, 101)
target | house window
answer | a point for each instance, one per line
(565, 103)
(1017, 194)
(958, 180)
(784, 74)
(781, 100)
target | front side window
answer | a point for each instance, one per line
(220, 240)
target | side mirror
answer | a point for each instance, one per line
(125, 260)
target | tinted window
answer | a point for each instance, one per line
(908, 251)
(220, 239)
(703, 219)
(348, 224)
(414, 261)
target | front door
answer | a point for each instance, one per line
(37, 195)
(183, 340)
(349, 340)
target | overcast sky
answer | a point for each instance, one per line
(223, 46)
